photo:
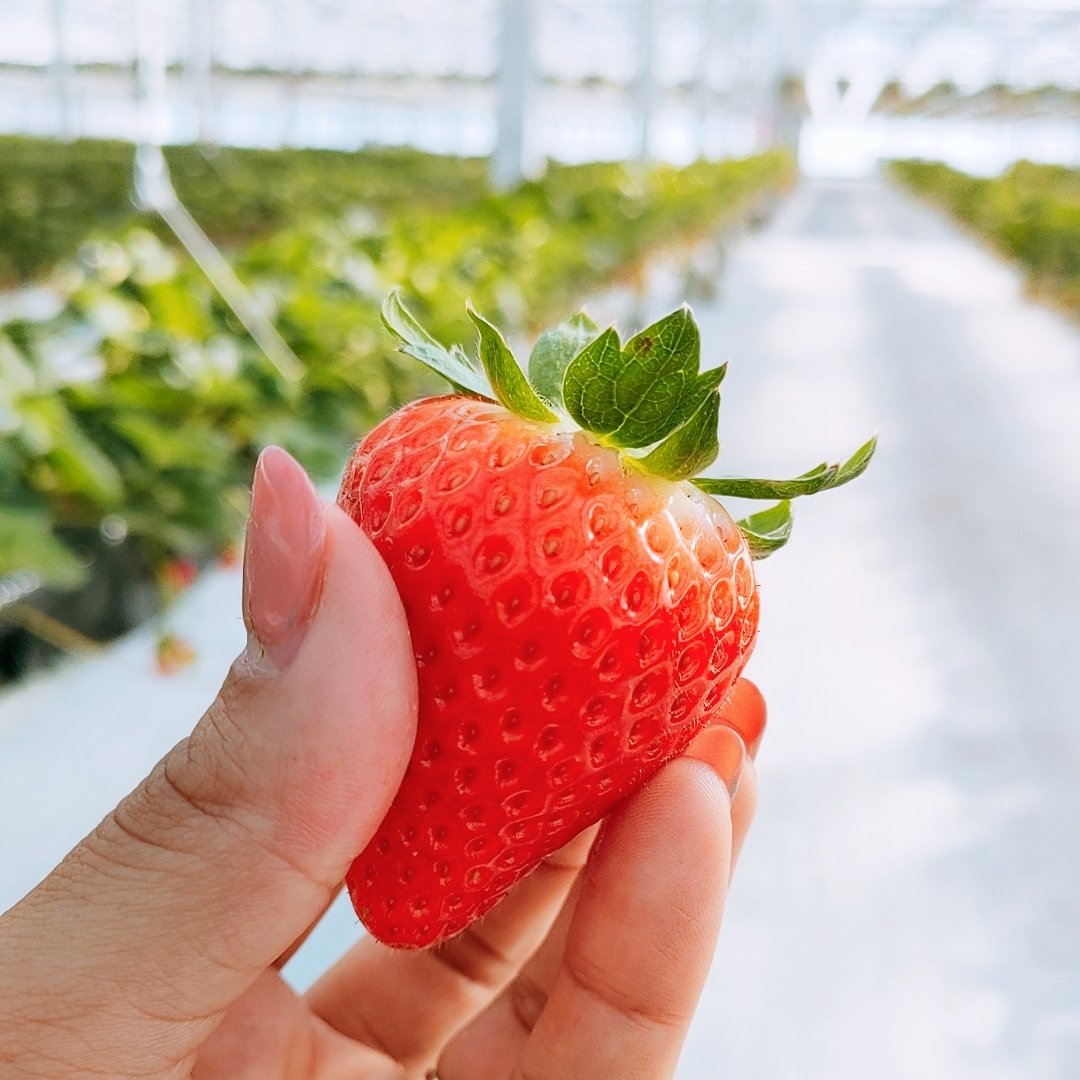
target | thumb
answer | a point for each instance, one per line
(235, 842)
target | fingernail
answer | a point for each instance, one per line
(283, 560)
(723, 751)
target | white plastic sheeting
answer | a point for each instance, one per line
(343, 73)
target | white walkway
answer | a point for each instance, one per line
(909, 904)
(908, 907)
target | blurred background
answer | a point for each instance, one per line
(875, 210)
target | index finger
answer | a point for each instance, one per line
(642, 936)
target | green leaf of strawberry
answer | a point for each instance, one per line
(553, 351)
(508, 381)
(767, 530)
(820, 478)
(638, 395)
(453, 364)
(691, 448)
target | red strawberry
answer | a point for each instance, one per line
(578, 612)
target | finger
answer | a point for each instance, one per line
(743, 809)
(292, 950)
(722, 746)
(489, 1046)
(270, 1034)
(226, 853)
(745, 711)
(424, 996)
(625, 960)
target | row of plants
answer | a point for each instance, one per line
(997, 100)
(131, 419)
(55, 195)
(1030, 213)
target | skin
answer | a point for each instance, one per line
(153, 950)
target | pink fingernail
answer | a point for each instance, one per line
(283, 559)
(722, 749)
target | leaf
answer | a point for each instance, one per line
(821, 478)
(80, 466)
(808, 483)
(193, 446)
(508, 381)
(656, 388)
(651, 388)
(691, 448)
(553, 351)
(588, 389)
(856, 464)
(452, 364)
(27, 543)
(768, 530)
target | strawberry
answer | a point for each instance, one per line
(578, 608)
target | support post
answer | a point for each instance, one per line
(150, 74)
(154, 191)
(703, 93)
(514, 79)
(61, 70)
(645, 103)
(201, 15)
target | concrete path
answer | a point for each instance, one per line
(908, 907)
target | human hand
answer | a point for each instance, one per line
(153, 950)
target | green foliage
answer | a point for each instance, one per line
(1031, 213)
(691, 448)
(767, 530)
(637, 394)
(553, 351)
(820, 478)
(647, 398)
(145, 401)
(507, 380)
(55, 195)
(453, 364)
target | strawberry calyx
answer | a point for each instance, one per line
(648, 399)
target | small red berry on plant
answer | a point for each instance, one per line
(173, 654)
(177, 575)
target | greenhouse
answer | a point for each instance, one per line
(538, 294)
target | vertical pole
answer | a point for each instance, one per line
(154, 191)
(284, 65)
(201, 15)
(62, 71)
(645, 104)
(150, 73)
(703, 69)
(514, 79)
(291, 40)
(783, 122)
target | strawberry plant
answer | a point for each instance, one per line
(143, 403)
(579, 602)
(1031, 213)
(56, 195)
